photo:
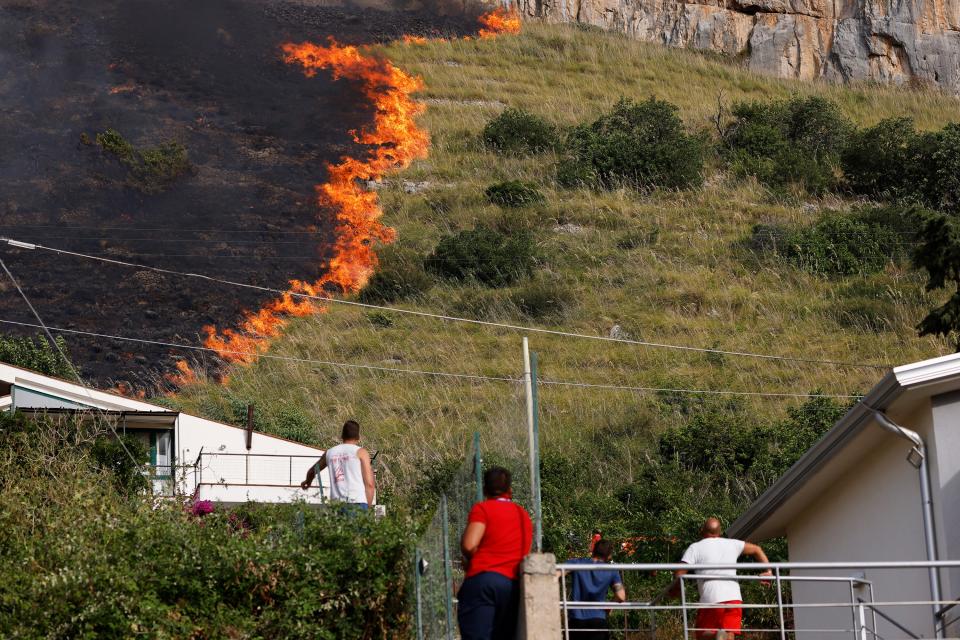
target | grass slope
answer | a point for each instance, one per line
(689, 283)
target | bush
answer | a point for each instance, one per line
(838, 244)
(540, 299)
(486, 255)
(399, 276)
(939, 158)
(36, 354)
(642, 145)
(878, 161)
(794, 142)
(518, 131)
(150, 170)
(513, 193)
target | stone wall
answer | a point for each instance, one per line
(914, 42)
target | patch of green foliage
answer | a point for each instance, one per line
(399, 276)
(638, 144)
(839, 244)
(486, 255)
(514, 193)
(519, 132)
(81, 559)
(787, 143)
(36, 354)
(541, 298)
(151, 170)
(939, 254)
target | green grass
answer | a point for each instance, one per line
(688, 282)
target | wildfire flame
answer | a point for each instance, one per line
(395, 141)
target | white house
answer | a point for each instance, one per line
(858, 496)
(189, 455)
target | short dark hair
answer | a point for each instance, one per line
(351, 430)
(603, 549)
(496, 482)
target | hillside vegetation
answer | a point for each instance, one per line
(683, 266)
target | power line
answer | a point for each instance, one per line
(465, 376)
(437, 316)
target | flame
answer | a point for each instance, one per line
(395, 141)
(500, 21)
(185, 376)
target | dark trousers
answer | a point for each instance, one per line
(593, 629)
(487, 606)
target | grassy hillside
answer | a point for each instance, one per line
(667, 267)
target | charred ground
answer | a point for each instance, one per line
(257, 134)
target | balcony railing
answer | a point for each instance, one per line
(252, 470)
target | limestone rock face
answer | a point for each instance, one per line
(886, 41)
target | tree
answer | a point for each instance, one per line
(36, 354)
(939, 254)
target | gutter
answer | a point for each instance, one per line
(918, 458)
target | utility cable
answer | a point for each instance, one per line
(464, 376)
(437, 316)
(66, 358)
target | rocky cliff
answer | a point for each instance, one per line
(889, 41)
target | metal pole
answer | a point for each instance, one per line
(853, 602)
(538, 529)
(933, 573)
(683, 609)
(862, 621)
(873, 610)
(448, 573)
(783, 626)
(291, 470)
(478, 465)
(528, 383)
(416, 582)
(566, 616)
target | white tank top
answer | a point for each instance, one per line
(346, 476)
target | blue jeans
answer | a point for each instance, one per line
(487, 607)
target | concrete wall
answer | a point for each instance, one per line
(873, 513)
(943, 447)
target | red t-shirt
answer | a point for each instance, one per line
(506, 540)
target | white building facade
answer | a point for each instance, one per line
(189, 456)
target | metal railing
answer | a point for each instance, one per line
(867, 615)
(252, 469)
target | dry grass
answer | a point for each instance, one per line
(693, 286)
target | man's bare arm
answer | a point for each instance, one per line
(470, 539)
(754, 550)
(674, 589)
(312, 471)
(366, 469)
(619, 593)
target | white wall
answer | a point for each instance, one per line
(943, 446)
(873, 513)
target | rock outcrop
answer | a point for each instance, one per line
(887, 41)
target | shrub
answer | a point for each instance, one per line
(399, 276)
(540, 299)
(518, 131)
(36, 354)
(793, 142)
(642, 145)
(939, 158)
(120, 457)
(150, 170)
(878, 161)
(513, 193)
(486, 255)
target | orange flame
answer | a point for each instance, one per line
(185, 376)
(395, 142)
(500, 21)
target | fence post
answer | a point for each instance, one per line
(447, 571)
(478, 465)
(683, 608)
(783, 626)
(539, 599)
(529, 383)
(416, 581)
(538, 529)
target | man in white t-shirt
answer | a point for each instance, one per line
(350, 467)
(713, 548)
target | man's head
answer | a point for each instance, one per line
(711, 528)
(603, 550)
(496, 483)
(351, 431)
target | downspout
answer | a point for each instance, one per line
(919, 451)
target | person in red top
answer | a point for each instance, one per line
(496, 540)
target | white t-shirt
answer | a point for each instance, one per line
(715, 551)
(346, 475)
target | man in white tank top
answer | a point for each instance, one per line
(351, 474)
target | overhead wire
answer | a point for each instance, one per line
(438, 316)
(465, 376)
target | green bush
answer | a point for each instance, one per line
(513, 193)
(124, 458)
(150, 170)
(542, 298)
(642, 145)
(518, 131)
(36, 354)
(795, 142)
(939, 160)
(486, 255)
(880, 161)
(399, 276)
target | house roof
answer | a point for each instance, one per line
(897, 393)
(108, 401)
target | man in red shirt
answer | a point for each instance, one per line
(496, 540)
